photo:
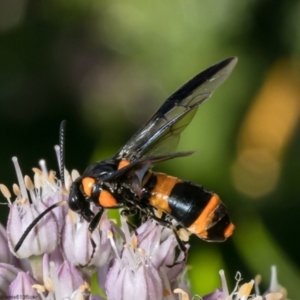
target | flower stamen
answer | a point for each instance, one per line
(182, 293)
(20, 177)
(40, 288)
(30, 187)
(43, 166)
(6, 193)
(166, 284)
(274, 281)
(224, 283)
(16, 190)
(245, 290)
(113, 244)
(38, 178)
(48, 284)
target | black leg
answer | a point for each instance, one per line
(92, 226)
(167, 223)
(129, 212)
(181, 246)
(160, 221)
(132, 211)
(95, 221)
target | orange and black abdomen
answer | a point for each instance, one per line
(191, 205)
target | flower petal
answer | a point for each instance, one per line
(8, 274)
(22, 285)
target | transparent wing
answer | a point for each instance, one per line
(160, 135)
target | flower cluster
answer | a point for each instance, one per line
(56, 260)
(244, 292)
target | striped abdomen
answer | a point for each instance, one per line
(195, 208)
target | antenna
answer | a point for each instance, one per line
(62, 131)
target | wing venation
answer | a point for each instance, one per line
(161, 134)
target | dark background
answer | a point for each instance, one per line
(106, 66)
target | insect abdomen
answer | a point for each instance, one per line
(195, 208)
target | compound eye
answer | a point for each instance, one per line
(74, 198)
(87, 185)
(77, 201)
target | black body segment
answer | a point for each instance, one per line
(221, 229)
(191, 205)
(187, 200)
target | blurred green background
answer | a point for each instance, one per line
(105, 66)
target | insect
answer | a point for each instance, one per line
(126, 180)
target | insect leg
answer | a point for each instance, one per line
(160, 221)
(181, 245)
(128, 212)
(92, 226)
(125, 213)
